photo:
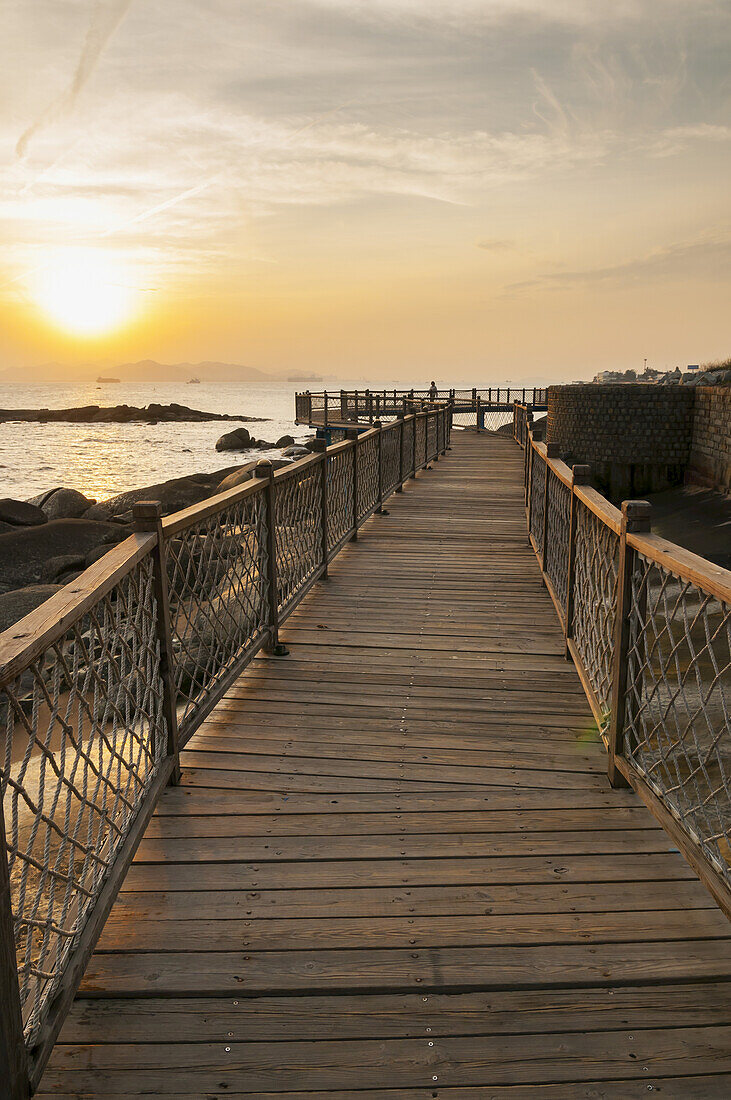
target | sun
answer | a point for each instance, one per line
(84, 291)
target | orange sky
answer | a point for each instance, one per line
(487, 189)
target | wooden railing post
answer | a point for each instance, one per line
(413, 441)
(369, 406)
(379, 446)
(147, 517)
(635, 520)
(319, 446)
(13, 1054)
(477, 407)
(352, 433)
(325, 410)
(579, 476)
(400, 486)
(265, 471)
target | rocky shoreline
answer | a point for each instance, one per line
(121, 414)
(46, 542)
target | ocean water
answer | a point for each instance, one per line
(102, 460)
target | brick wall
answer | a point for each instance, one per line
(627, 423)
(710, 447)
(635, 437)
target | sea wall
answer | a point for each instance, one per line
(636, 438)
(710, 445)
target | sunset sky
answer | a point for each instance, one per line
(487, 189)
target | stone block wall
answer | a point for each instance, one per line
(710, 445)
(637, 438)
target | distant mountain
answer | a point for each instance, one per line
(146, 370)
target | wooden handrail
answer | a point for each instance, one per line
(23, 642)
(712, 578)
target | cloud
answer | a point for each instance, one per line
(708, 258)
(104, 22)
(495, 244)
(199, 119)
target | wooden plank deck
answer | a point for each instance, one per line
(395, 869)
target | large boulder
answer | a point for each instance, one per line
(16, 605)
(237, 440)
(19, 513)
(63, 503)
(238, 477)
(296, 451)
(33, 555)
(179, 492)
(285, 441)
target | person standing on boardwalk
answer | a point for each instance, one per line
(433, 391)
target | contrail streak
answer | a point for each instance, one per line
(104, 23)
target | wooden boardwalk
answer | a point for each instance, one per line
(395, 869)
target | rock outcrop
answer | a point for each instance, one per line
(179, 492)
(16, 605)
(20, 513)
(237, 440)
(40, 555)
(121, 414)
(63, 503)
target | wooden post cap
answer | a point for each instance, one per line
(146, 514)
(582, 474)
(351, 433)
(318, 445)
(263, 468)
(637, 515)
(553, 450)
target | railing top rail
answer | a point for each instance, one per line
(194, 513)
(600, 506)
(27, 639)
(706, 575)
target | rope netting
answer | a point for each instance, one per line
(390, 457)
(678, 702)
(339, 497)
(83, 734)
(596, 565)
(431, 437)
(537, 496)
(367, 475)
(420, 436)
(409, 428)
(218, 589)
(557, 542)
(298, 526)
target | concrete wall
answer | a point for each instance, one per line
(637, 438)
(710, 445)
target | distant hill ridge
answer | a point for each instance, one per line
(146, 370)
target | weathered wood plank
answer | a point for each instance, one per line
(405, 826)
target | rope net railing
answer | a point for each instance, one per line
(537, 501)
(218, 594)
(648, 626)
(558, 521)
(678, 702)
(83, 736)
(298, 527)
(391, 457)
(339, 497)
(96, 705)
(595, 587)
(494, 403)
(367, 450)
